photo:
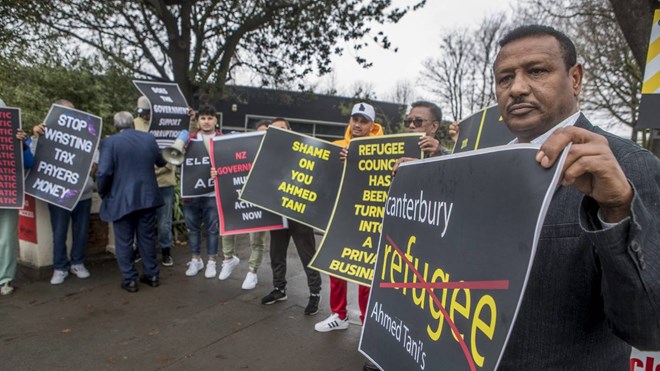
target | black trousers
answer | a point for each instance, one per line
(303, 238)
(138, 224)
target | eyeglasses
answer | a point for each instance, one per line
(417, 122)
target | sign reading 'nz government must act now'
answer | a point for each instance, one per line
(64, 156)
(348, 249)
(296, 176)
(445, 295)
(232, 158)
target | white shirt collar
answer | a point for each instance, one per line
(569, 121)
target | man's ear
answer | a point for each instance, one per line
(575, 73)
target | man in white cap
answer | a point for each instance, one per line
(361, 124)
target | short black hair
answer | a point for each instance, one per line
(435, 110)
(532, 30)
(261, 123)
(207, 110)
(288, 126)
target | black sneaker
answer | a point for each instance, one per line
(313, 304)
(167, 261)
(274, 296)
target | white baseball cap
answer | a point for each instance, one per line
(365, 110)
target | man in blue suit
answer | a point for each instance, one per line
(130, 193)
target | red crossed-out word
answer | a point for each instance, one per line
(428, 287)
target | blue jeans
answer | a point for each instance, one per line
(197, 211)
(59, 222)
(164, 218)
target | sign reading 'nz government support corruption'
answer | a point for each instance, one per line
(454, 258)
(64, 155)
(169, 110)
(232, 158)
(11, 160)
(296, 176)
(196, 170)
(482, 130)
(348, 248)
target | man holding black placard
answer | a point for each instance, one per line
(257, 244)
(594, 287)
(59, 221)
(361, 124)
(303, 238)
(426, 117)
(203, 210)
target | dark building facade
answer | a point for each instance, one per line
(321, 116)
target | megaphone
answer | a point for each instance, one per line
(175, 153)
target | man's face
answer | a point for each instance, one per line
(423, 117)
(279, 124)
(360, 126)
(534, 90)
(207, 123)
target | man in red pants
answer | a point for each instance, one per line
(361, 124)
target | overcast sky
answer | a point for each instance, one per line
(417, 37)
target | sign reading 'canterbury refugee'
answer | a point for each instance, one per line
(458, 239)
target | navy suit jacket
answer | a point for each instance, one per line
(126, 179)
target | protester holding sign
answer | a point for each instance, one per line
(203, 209)
(605, 273)
(127, 184)
(426, 117)
(9, 223)
(257, 244)
(594, 287)
(303, 238)
(59, 222)
(361, 124)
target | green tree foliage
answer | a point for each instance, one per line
(202, 43)
(34, 85)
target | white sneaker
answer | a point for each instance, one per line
(210, 269)
(194, 266)
(79, 270)
(332, 323)
(228, 267)
(251, 281)
(58, 277)
(6, 289)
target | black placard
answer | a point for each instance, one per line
(232, 158)
(458, 239)
(11, 160)
(64, 156)
(196, 170)
(169, 110)
(348, 248)
(483, 129)
(296, 176)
